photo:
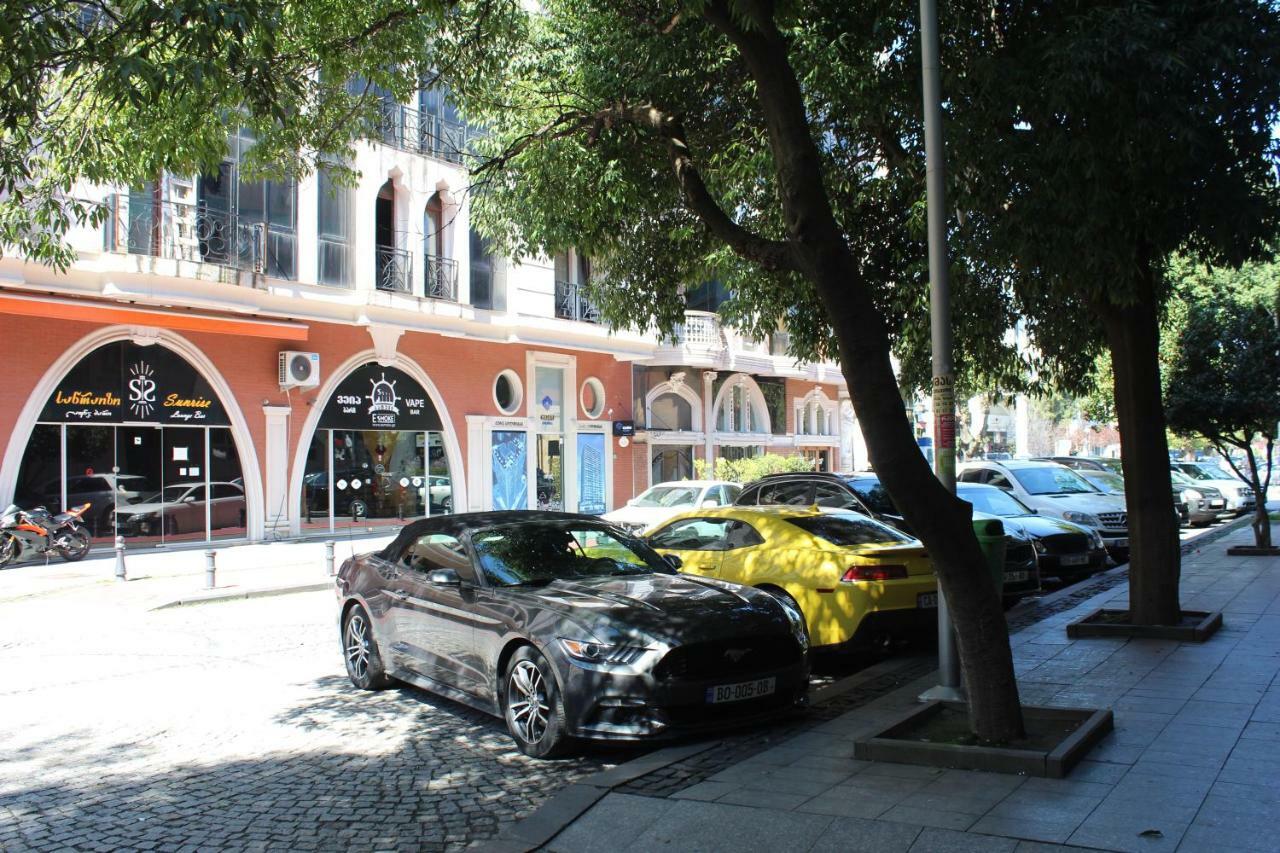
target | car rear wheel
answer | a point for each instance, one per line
(532, 705)
(360, 651)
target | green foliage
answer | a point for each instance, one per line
(117, 92)
(750, 468)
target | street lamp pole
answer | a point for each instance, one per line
(944, 402)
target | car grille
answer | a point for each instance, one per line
(1017, 555)
(1114, 520)
(728, 658)
(1065, 543)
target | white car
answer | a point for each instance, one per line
(1056, 491)
(658, 503)
(1239, 496)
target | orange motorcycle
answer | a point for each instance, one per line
(36, 531)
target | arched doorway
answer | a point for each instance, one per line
(145, 436)
(376, 450)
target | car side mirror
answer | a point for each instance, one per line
(709, 504)
(444, 577)
(189, 499)
(673, 561)
(631, 502)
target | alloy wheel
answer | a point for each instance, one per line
(357, 645)
(527, 701)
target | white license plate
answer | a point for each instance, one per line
(927, 599)
(1016, 577)
(1217, 504)
(1073, 559)
(1120, 543)
(742, 690)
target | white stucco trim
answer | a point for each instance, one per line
(245, 448)
(684, 392)
(452, 448)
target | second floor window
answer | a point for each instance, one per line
(333, 231)
(481, 271)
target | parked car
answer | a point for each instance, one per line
(863, 493)
(439, 489)
(658, 503)
(1057, 491)
(101, 491)
(1239, 497)
(855, 580)
(348, 498)
(565, 626)
(1106, 475)
(180, 508)
(1064, 550)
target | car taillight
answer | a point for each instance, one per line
(874, 573)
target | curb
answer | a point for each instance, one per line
(570, 803)
(215, 595)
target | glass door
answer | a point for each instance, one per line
(185, 506)
(139, 470)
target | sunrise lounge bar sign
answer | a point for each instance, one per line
(125, 383)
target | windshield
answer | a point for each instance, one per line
(1112, 484)
(537, 553)
(668, 496)
(994, 501)
(848, 529)
(172, 494)
(1198, 472)
(1052, 481)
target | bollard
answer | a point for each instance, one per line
(209, 569)
(328, 557)
(120, 573)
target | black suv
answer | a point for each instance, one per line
(864, 493)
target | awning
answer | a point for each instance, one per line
(97, 312)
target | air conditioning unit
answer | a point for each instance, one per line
(299, 369)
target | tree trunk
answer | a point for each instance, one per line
(1261, 521)
(1133, 336)
(939, 518)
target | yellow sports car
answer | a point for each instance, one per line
(853, 578)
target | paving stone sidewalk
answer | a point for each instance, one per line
(1193, 763)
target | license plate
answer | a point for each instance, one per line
(742, 690)
(1073, 559)
(1217, 504)
(1016, 577)
(1120, 543)
(927, 599)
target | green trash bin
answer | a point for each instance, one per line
(990, 532)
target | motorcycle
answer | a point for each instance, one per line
(36, 531)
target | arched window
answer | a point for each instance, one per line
(740, 406)
(433, 227)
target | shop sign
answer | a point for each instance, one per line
(122, 382)
(379, 398)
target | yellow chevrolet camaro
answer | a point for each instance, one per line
(851, 577)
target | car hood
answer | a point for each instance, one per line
(675, 609)
(646, 515)
(1043, 525)
(1079, 503)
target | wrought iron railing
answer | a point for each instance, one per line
(572, 303)
(193, 232)
(394, 268)
(424, 133)
(442, 278)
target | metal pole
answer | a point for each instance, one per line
(210, 569)
(944, 403)
(120, 572)
(328, 557)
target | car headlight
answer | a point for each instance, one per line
(1192, 495)
(1038, 545)
(1082, 518)
(1096, 538)
(796, 618)
(589, 651)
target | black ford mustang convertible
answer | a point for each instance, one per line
(566, 627)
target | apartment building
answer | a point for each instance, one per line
(241, 359)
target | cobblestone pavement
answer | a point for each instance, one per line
(231, 726)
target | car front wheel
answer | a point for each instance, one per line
(360, 651)
(532, 705)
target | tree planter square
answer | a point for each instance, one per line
(1252, 551)
(1196, 626)
(1058, 739)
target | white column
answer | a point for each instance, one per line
(308, 214)
(1022, 426)
(709, 418)
(276, 510)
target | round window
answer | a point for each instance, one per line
(592, 397)
(507, 392)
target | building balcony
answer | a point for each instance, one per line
(572, 303)
(394, 268)
(190, 232)
(442, 279)
(423, 133)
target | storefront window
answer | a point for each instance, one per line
(548, 404)
(139, 435)
(591, 473)
(510, 458)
